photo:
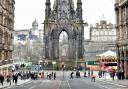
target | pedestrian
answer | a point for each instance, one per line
(104, 73)
(91, 72)
(28, 75)
(13, 77)
(54, 75)
(16, 78)
(71, 75)
(100, 74)
(88, 73)
(42, 75)
(85, 74)
(118, 74)
(9, 79)
(113, 74)
(122, 75)
(47, 75)
(1, 79)
(93, 77)
(77, 74)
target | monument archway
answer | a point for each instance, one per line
(63, 46)
(63, 17)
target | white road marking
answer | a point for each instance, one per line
(32, 87)
(68, 84)
(59, 85)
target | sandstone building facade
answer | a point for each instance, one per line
(6, 30)
(102, 39)
(121, 9)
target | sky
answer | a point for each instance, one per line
(26, 11)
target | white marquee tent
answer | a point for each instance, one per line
(108, 53)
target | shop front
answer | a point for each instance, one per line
(5, 69)
(93, 65)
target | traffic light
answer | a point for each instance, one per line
(62, 65)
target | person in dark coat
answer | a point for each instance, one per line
(113, 74)
(85, 74)
(54, 75)
(13, 77)
(77, 74)
(9, 79)
(93, 78)
(1, 79)
(88, 73)
(16, 78)
(122, 75)
(71, 75)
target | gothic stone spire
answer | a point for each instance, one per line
(48, 9)
(79, 9)
(64, 8)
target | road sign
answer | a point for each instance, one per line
(36, 68)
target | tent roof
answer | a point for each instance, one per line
(108, 53)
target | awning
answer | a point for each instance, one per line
(108, 53)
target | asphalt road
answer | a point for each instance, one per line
(66, 83)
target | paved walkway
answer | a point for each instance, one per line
(115, 81)
(13, 84)
(108, 79)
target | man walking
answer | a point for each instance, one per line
(93, 78)
(71, 75)
(1, 79)
(54, 75)
(113, 74)
(16, 78)
(9, 79)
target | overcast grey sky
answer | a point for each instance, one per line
(27, 10)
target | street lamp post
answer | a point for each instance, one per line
(63, 73)
(76, 64)
(53, 63)
(105, 75)
(38, 68)
(63, 66)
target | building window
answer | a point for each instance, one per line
(102, 33)
(1, 18)
(1, 34)
(105, 32)
(0, 55)
(6, 38)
